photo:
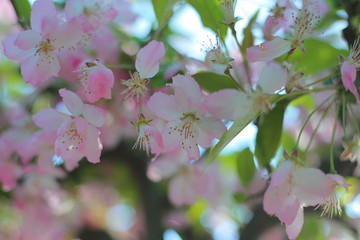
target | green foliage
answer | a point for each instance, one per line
(213, 82)
(269, 133)
(248, 40)
(245, 166)
(319, 55)
(211, 15)
(163, 11)
(312, 230)
(23, 11)
(233, 131)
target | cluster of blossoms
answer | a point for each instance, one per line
(173, 123)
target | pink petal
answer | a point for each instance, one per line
(27, 39)
(293, 230)
(67, 144)
(311, 186)
(221, 104)
(40, 68)
(156, 142)
(72, 101)
(269, 50)
(49, 119)
(94, 115)
(272, 78)
(188, 85)
(171, 138)
(93, 145)
(209, 130)
(66, 35)
(164, 106)
(348, 76)
(282, 173)
(12, 51)
(162, 168)
(43, 16)
(101, 80)
(148, 59)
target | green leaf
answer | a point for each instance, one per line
(248, 40)
(23, 11)
(245, 166)
(211, 15)
(269, 133)
(240, 197)
(319, 55)
(213, 82)
(230, 134)
(163, 11)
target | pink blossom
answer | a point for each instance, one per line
(91, 13)
(36, 49)
(292, 188)
(304, 24)
(147, 65)
(77, 135)
(96, 81)
(187, 124)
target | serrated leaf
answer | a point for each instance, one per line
(210, 14)
(245, 166)
(23, 11)
(230, 134)
(248, 40)
(213, 82)
(269, 133)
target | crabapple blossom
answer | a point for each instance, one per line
(291, 189)
(281, 18)
(91, 13)
(96, 81)
(187, 123)
(349, 68)
(77, 135)
(149, 137)
(147, 65)
(36, 49)
(304, 24)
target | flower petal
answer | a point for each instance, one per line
(164, 106)
(43, 16)
(93, 145)
(348, 76)
(94, 115)
(148, 59)
(12, 51)
(27, 39)
(269, 50)
(272, 78)
(72, 101)
(293, 230)
(188, 85)
(40, 68)
(49, 119)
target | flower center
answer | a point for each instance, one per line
(72, 138)
(136, 86)
(186, 129)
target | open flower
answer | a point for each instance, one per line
(36, 49)
(147, 65)
(187, 124)
(291, 189)
(303, 27)
(77, 134)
